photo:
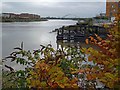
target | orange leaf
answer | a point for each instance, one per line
(96, 35)
(92, 39)
(81, 71)
(89, 77)
(87, 69)
(86, 41)
(74, 80)
(103, 41)
(90, 58)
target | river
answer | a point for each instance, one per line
(32, 34)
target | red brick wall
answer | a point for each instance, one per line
(112, 8)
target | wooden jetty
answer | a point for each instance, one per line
(80, 32)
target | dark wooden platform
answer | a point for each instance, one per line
(80, 32)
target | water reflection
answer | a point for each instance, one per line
(31, 33)
(64, 43)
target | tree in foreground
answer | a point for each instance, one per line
(68, 67)
(106, 61)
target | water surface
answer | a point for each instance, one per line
(31, 33)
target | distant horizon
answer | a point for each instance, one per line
(56, 9)
(49, 16)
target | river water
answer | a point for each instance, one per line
(32, 34)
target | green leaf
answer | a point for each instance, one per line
(43, 84)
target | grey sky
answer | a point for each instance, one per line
(55, 0)
(59, 9)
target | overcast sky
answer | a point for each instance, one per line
(56, 8)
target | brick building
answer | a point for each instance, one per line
(29, 16)
(112, 7)
(21, 16)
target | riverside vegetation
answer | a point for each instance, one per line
(64, 68)
(21, 20)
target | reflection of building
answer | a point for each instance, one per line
(112, 8)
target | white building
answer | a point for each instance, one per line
(6, 15)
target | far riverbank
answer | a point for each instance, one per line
(21, 20)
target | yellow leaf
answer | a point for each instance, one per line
(103, 80)
(74, 85)
(83, 49)
(74, 72)
(105, 62)
(110, 84)
(109, 75)
(61, 85)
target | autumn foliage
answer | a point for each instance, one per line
(47, 72)
(106, 60)
(69, 67)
